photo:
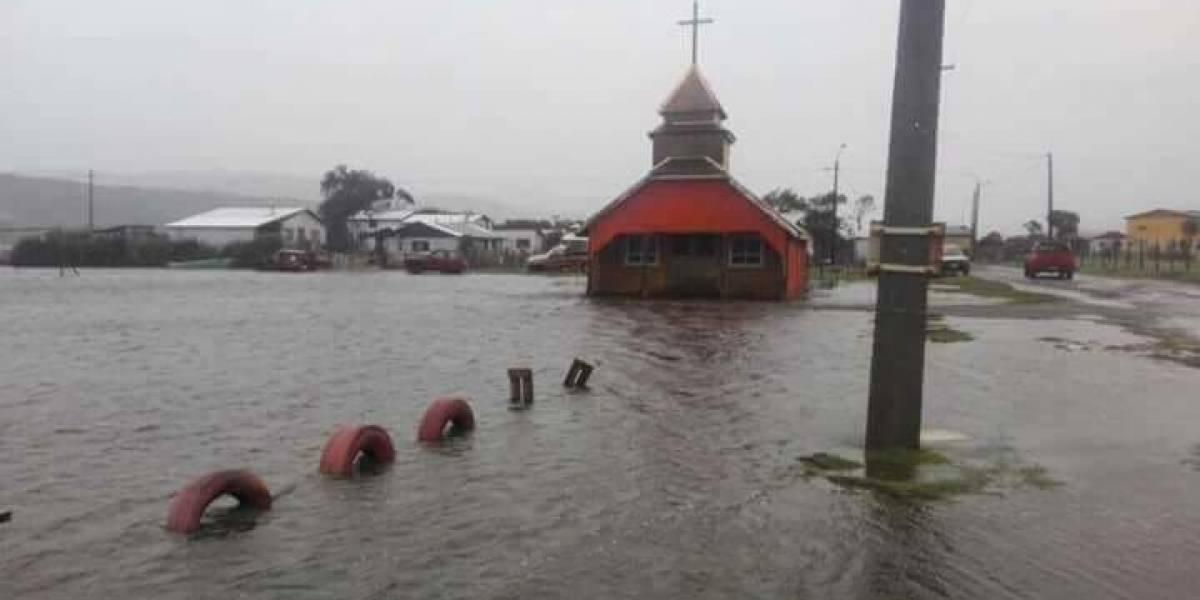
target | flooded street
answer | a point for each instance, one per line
(673, 477)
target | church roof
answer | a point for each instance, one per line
(668, 171)
(693, 94)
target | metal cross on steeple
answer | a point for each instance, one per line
(695, 24)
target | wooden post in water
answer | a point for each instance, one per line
(520, 387)
(577, 375)
(898, 356)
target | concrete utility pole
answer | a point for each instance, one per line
(1049, 195)
(975, 217)
(91, 205)
(695, 24)
(898, 356)
(837, 169)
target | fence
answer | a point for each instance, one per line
(1177, 259)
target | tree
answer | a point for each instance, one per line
(990, 247)
(821, 224)
(1066, 224)
(1033, 227)
(1191, 228)
(785, 200)
(347, 192)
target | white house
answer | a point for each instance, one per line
(520, 238)
(384, 216)
(1107, 242)
(422, 233)
(297, 227)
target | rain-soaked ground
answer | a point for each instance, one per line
(675, 476)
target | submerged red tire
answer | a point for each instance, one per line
(351, 441)
(188, 506)
(452, 412)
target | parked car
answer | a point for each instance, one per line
(441, 261)
(570, 255)
(955, 261)
(1050, 257)
(299, 260)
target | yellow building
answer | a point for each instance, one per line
(1162, 227)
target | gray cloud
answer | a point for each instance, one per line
(545, 104)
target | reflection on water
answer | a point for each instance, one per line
(672, 477)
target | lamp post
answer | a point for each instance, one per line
(833, 242)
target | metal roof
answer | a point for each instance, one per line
(239, 217)
(395, 214)
(1193, 214)
(692, 95)
(662, 172)
(455, 225)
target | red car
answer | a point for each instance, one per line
(438, 260)
(1050, 257)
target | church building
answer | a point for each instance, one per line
(688, 229)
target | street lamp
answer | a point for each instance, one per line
(837, 167)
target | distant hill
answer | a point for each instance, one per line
(53, 202)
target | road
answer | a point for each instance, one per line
(1161, 304)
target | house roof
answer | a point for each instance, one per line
(665, 171)
(1195, 214)
(1110, 235)
(456, 229)
(693, 94)
(455, 224)
(419, 230)
(395, 214)
(239, 217)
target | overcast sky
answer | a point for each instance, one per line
(545, 105)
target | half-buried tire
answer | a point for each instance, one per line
(188, 506)
(445, 416)
(350, 442)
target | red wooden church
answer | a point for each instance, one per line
(688, 228)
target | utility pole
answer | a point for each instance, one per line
(833, 242)
(898, 354)
(695, 24)
(1050, 195)
(91, 206)
(975, 217)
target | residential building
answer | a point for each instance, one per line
(1164, 228)
(1106, 243)
(296, 227)
(460, 234)
(383, 216)
(522, 237)
(688, 228)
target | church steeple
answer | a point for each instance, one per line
(692, 124)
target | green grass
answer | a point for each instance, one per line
(987, 288)
(926, 475)
(823, 461)
(1132, 272)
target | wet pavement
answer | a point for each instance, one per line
(673, 477)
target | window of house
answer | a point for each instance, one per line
(524, 244)
(287, 234)
(302, 234)
(641, 250)
(420, 246)
(745, 251)
(698, 245)
(316, 235)
(681, 245)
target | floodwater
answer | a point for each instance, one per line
(673, 477)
